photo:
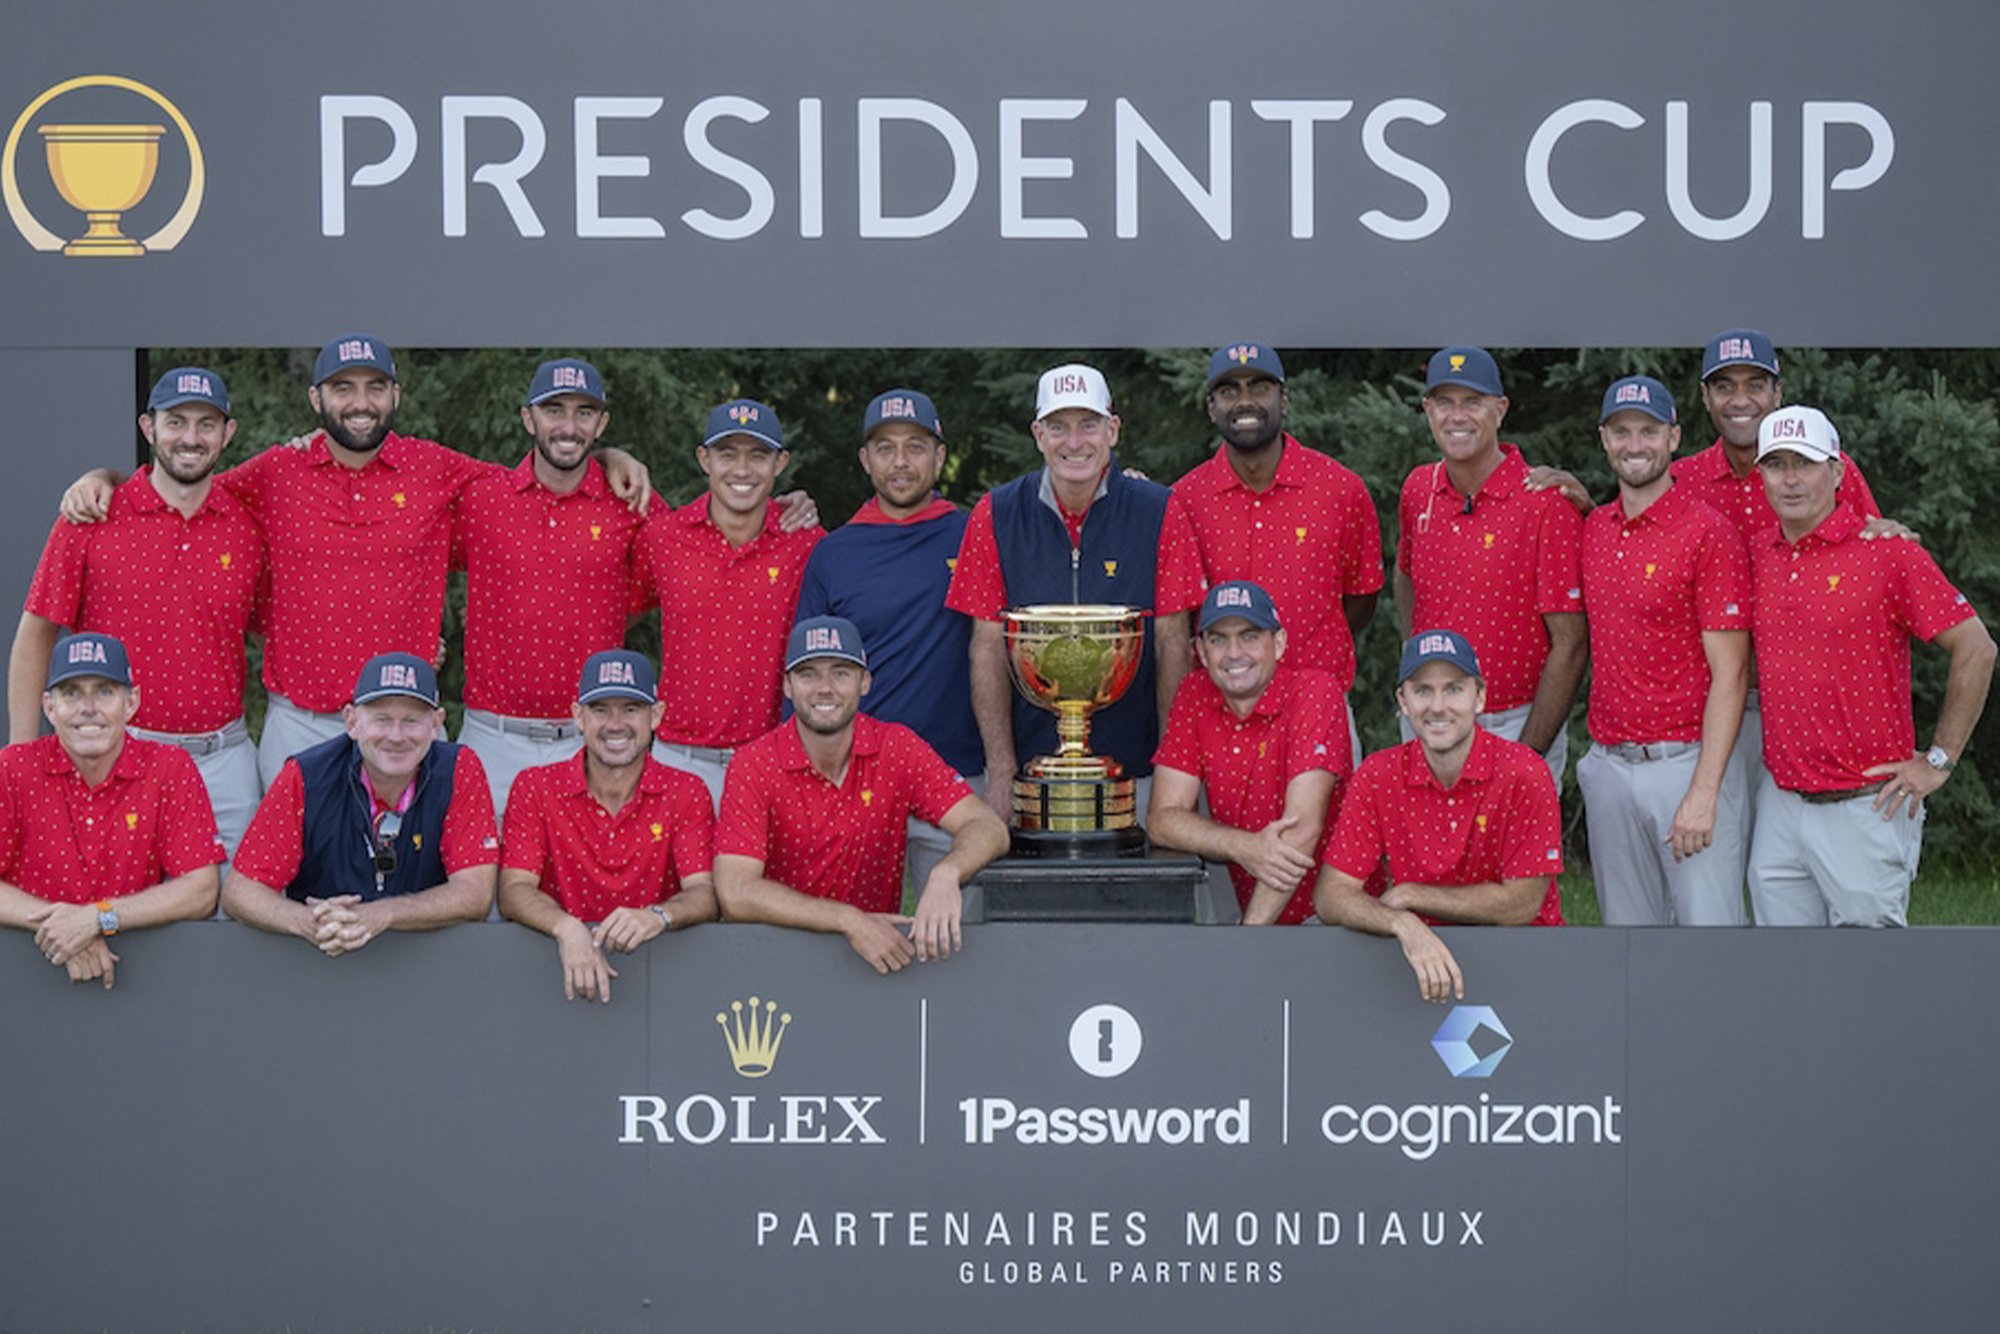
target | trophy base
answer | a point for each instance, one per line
(1071, 810)
(1077, 845)
(92, 246)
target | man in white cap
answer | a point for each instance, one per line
(1840, 814)
(1078, 530)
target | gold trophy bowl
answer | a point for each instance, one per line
(1072, 660)
(103, 170)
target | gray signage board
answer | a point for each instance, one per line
(1066, 1128)
(1043, 173)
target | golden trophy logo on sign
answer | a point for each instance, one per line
(103, 170)
(1073, 660)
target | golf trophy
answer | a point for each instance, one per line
(101, 171)
(1072, 660)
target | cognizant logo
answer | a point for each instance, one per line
(1472, 1042)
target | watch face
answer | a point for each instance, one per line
(1937, 758)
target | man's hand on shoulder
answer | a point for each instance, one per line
(88, 499)
(800, 511)
(1542, 477)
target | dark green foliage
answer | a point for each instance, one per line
(1922, 424)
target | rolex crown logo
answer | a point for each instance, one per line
(753, 1038)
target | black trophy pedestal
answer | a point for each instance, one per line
(1158, 887)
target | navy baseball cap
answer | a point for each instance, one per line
(189, 384)
(1638, 393)
(88, 655)
(901, 405)
(1739, 347)
(1437, 646)
(349, 351)
(566, 375)
(745, 416)
(1242, 598)
(618, 673)
(1245, 357)
(825, 637)
(1472, 367)
(396, 674)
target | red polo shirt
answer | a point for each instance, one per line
(1492, 574)
(1833, 624)
(1709, 477)
(591, 861)
(66, 842)
(357, 558)
(980, 591)
(845, 842)
(550, 580)
(725, 613)
(1499, 821)
(274, 844)
(1298, 725)
(1652, 585)
(179, 592)
(1309, 539)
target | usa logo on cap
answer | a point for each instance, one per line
(1241, 354)
(743, 412)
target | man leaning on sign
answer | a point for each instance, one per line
(100, 832)
(384, 829)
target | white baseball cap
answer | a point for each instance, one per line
(1804, 431)
(1073, 386)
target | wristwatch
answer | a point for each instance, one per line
(1937, 758)
(659, 910)
(107, 918)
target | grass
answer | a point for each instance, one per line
(1941, 896)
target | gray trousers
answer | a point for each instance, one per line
(1833, 864)
(1630, 795)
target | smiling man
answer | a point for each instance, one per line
(611, 836)
(100, 832)
(887, 570)
(1466, 822)
(728, 578)
(554, 572)
(1840, 810)
(1666, 585)
(1269, 744)
(1078, 530)
(813, 817)
(1266, 508)
(173, 573)
(387, 828)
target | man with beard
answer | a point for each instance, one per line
(610, 836)
(814, 811)
(173, 572)
(887, 570)
(1666, 586)
(1482, 552)
(358, 522)
(552, 575)
(1267, 509)
(384, 828)
(1465, 821)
